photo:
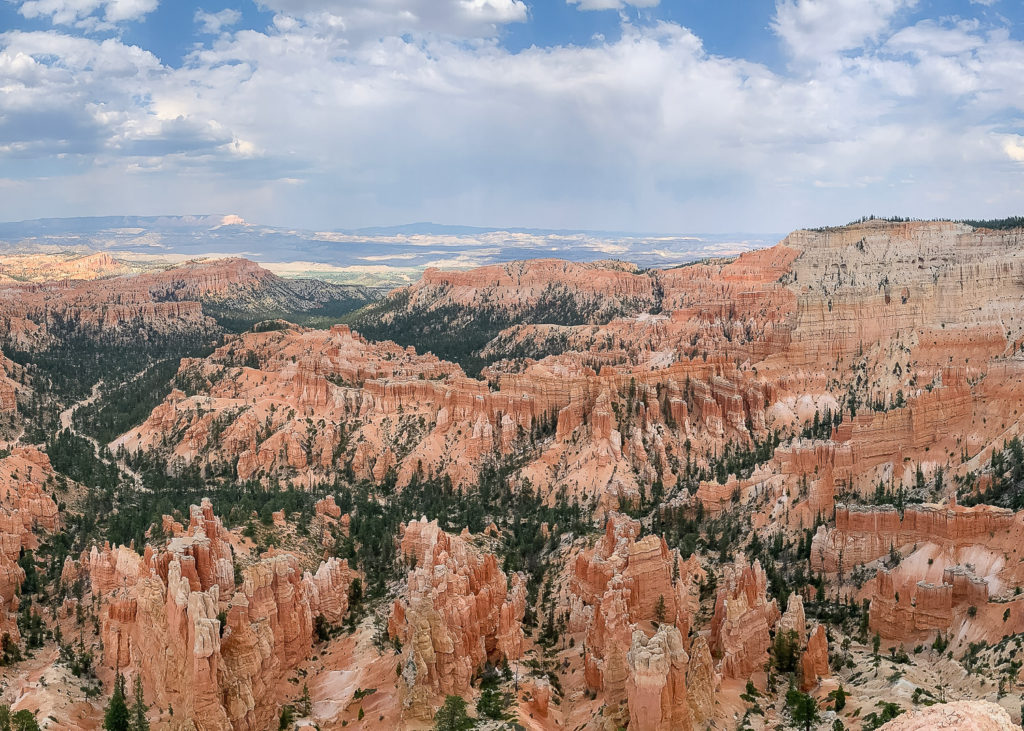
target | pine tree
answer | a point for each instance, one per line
(452, 715)
(23, 720)
(659, 610)
(305, 704)
(116, 717)
(139, 707)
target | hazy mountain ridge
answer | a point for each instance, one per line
(404, 248)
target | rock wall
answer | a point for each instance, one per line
(618, 591)
(457, 615)
(863, 534)
(742, 621)
(217, 653)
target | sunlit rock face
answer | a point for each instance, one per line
(457, 614)
(636, 621)
(743, 619)
(214, 650)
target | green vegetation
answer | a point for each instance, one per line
(452, 716)
(458, 333)
(117, 717)
(519, 511)
(786, 651)
(803, 709)
(1007, 488)
(22, 720)
(239, 319)
(998, 224)
(127, 404)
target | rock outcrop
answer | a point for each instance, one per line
(961, 715)
(212, 650)
(863, 534)
(814, 660)
(457, 615)
(657, 695)
(636, 621)
(740, 628)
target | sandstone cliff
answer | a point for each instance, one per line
(215, 651)
(458, 614)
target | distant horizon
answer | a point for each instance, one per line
(455, 229)
(588, 115)
(450, 228)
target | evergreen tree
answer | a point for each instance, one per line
(659, 610)
(306, 702)
(452, 715)
(839, 696)
(117, 717)
(139, 707)
(23, 720)
(786, 650)
(803, 708)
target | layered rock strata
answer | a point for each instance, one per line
(458, 614)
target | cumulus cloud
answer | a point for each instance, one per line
(612, 4)
(213, 23)
(87, 13)
(358, 19)
(815, 29)
(391, 121)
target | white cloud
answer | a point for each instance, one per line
(817, 29)
(213, 23)
(87, 13)
(612, 4)
(357, 20)
(1013, 146)
(648, 132)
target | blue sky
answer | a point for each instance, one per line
(679, 115)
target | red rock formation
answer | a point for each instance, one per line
(863, 534)
(917, 610)
(742, 620)
(25, 512)
(701, 682)
(814, 661)
(645, 567)
(51, 267)
(457, 615)
(618, 590)
(657, 694)
(161, 617)
(327, 589)
(540, 694)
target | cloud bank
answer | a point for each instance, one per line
(361, 112)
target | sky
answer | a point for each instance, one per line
(624, 115)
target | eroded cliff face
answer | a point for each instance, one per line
(874, 318)
(27, 514)
(744, 617)
(636, 618)
(459, 612)
(82, 296)
(215, 651)
(679, 394)
(300, 405)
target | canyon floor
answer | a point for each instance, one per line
(778, 489)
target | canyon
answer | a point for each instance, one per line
(564, 494)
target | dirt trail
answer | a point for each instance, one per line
(67, 421)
